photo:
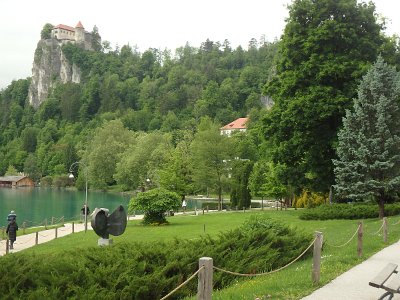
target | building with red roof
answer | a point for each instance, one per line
(237, 125)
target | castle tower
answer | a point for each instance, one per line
(79, 33)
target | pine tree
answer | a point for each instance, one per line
(368, 164)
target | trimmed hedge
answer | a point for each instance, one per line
(149, 270)
(348, 211)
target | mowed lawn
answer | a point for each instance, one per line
(293, 282)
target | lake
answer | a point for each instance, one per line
(34, 205)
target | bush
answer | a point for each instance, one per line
(149, 270)
(348, 211)
(310, 199)
(46, 181)
(154, 204)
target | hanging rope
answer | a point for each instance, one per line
(378, 229)
(338, 246)
(270, 272)
(182, 284)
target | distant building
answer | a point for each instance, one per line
(237, 125)
(77, 35)
(16, 181)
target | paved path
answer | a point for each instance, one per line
(353, 285)
(28, 240)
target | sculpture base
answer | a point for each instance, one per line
(104, 242)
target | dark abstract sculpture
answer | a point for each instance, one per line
(104, 224)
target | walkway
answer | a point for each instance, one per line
(353, 285)
(28, 240)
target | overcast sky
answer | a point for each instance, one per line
(156, 24)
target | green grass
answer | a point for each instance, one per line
(293, 282)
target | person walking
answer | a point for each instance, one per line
(184, 205)
(11, 216)
(12, 228)
(85, 211)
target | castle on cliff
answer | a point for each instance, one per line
(77, 35)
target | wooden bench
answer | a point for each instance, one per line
(387, 279)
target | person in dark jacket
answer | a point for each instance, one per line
(11, 216)
(12, 228)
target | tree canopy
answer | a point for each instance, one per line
(326, 47)
(368, 164)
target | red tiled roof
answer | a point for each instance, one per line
(79, 25)
(237, 124)
(65, 27)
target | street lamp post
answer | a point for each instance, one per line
(86, 186)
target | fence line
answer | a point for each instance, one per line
(183, 283)
(270, 272)
(378, 229)
(339, 246)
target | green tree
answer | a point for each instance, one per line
(31, 168)
(240, 192)
(177, 173)
(46, 31)
(11, 171)
(104, 152)
(368, 164)
(155, 203)
(211, 155)
(140, 161)
(326, 46)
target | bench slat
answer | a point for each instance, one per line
(383, 275)
(393, 284)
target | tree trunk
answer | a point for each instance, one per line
(219, 198)
(381, 207)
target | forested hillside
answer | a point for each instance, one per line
(140, 120)
(125, 94)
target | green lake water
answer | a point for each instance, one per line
(34, 205)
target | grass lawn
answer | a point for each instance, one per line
(293, 282)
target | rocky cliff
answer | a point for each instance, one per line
(50, 66)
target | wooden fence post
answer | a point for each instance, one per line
(52, 220)
(73, 227)
(62, 220)
(205, 279)
(45, 223)
(207, 208)
(7, 246)
(23, 227)
(244, 209)
(385, 230)
(56, 233)
(360, 239)
(37, 238)
(316, 267)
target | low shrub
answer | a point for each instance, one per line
(309, 199)
(348, 211)
(149, 270)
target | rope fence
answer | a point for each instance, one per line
(182, 284)
(205, 282)
(206, 267)
(269, 272)
(339, 246)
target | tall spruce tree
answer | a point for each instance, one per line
(368, 164)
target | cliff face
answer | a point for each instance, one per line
(49, 67)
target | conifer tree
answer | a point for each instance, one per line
(368, 164)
